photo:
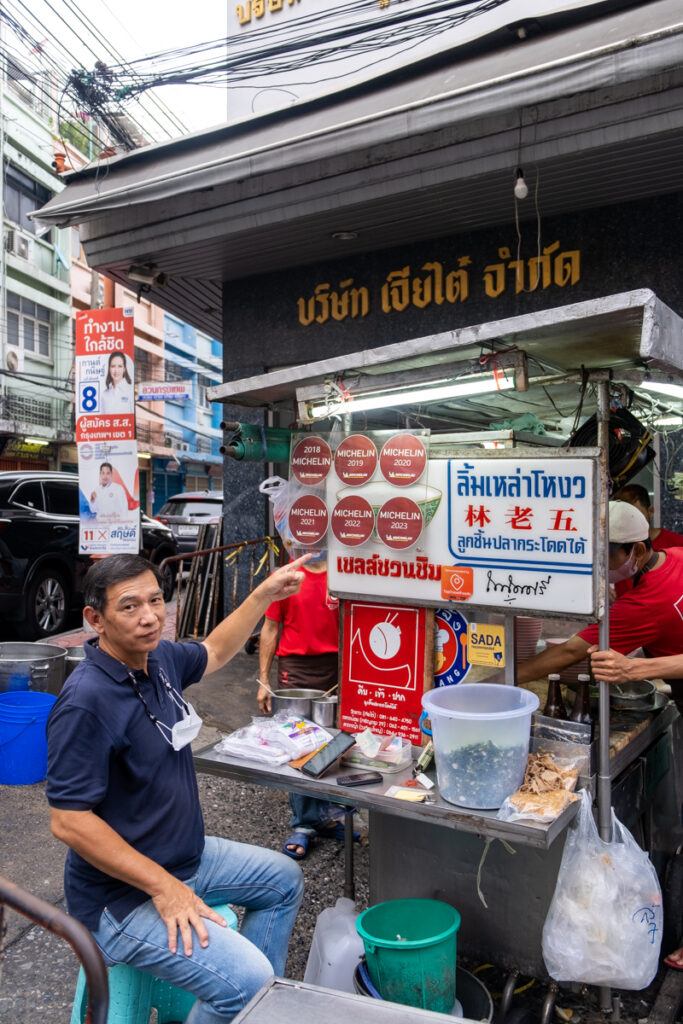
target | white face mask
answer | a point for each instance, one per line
(180, 733)
(184, 731)
(625, 571)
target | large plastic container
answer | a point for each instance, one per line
(23, 741)
(410, 949)
(481, 741)
(336, 948)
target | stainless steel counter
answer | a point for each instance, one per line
(436, 812)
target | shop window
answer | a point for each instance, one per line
(28, 326)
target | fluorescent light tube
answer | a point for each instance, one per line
(388, 400)
(662, 388)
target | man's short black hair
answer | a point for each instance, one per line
(634, 492)
(106, 572)
(108, 465)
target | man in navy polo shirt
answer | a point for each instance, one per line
(123, 797)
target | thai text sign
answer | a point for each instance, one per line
(515, 533)
(105, 432)
(385, 652)
(165, 391)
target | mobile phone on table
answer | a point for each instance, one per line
(360, 779)
(330, 753)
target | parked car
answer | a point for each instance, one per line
(41, 572)
(185, 513)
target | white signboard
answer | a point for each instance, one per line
(303, 49)
(499, 533)
(165, 391)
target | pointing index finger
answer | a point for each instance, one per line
(301, 560)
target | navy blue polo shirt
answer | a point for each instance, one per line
(106, 756)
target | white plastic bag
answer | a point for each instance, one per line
(604, 925)
(276, 740)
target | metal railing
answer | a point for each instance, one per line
(54, 920)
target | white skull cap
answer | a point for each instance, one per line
(626, 523)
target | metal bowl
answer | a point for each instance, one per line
(325, 712)
(633, 696)
(296, 702)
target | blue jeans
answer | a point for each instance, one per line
(235, 965)
(309, 813)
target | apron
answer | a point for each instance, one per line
(307, 671)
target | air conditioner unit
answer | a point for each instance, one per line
(183, 446)
(14, 358)
(23, 247)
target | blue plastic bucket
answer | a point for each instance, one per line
(23, 740)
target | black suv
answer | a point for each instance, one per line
(41, 572)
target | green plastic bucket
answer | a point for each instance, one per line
(410, 949)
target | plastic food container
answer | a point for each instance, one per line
(481, 741)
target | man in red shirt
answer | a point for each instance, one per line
(650, 615)
(303, 631)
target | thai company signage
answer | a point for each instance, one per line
(165, 391)
(105, 432)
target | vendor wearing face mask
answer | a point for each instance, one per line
(650, 615)
(123, 797)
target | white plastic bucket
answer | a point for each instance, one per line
(481, 741)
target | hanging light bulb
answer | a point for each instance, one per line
(521, 190)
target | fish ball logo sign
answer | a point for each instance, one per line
(385, 640)
(451, 661)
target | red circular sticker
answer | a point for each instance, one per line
(355, 460)
(403, 459)
(352, 520)
(308, 519)
(311, 460)
(399, 523)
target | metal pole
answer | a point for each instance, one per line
(604, 779)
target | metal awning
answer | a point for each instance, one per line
(633, 334)
(427, 155)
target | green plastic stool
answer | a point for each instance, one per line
(133, 993)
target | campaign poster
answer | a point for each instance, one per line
(105, 432)
(109, 498)
(105, 375)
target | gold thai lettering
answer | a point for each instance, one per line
(257, 9)
(436, 284)
(396, 291)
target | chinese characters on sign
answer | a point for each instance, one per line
(105, 433)
(436, 284)
(502, 533)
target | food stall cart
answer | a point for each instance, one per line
(536, 365)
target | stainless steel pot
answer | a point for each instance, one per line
(32, 666)
(297, 702)
(74, 656)
(325, 712)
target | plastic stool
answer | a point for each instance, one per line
(133, 993)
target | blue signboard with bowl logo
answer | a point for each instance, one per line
(451, 661)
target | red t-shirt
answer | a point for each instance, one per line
(309, 626)
(664, 540)
(649, 615)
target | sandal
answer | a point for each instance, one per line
(297, 840)
(675, 965)
(335, 830)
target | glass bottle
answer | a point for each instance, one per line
(581, 711)
(554, 705)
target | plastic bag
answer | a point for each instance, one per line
(604, 925)
(542, 807)
(276, 740)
